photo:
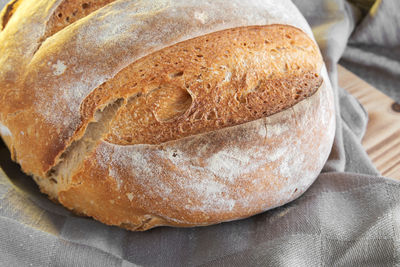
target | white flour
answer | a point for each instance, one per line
(4, 131)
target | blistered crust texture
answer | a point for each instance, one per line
(80, 80)
(210, 82)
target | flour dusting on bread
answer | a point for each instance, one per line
(4, 131)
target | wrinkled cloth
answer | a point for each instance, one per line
(349, 216)
(373, 50)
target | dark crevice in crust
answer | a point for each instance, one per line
(79, 148)
(38, 47)
(9, 11)
(68, 12)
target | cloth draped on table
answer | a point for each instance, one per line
(349, 216)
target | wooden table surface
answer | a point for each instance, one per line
(382, 139)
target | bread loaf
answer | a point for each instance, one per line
(149, 113)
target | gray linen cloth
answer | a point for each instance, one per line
(373, 51)
(349, 216)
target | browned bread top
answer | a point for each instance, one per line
(210, 82)
(47, 83)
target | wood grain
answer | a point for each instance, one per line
(382, 139)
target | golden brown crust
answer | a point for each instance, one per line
(70, 11)
(210, 82)
(7, 13)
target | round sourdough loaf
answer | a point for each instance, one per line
(149, 113)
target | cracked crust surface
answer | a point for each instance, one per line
(133, 111)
